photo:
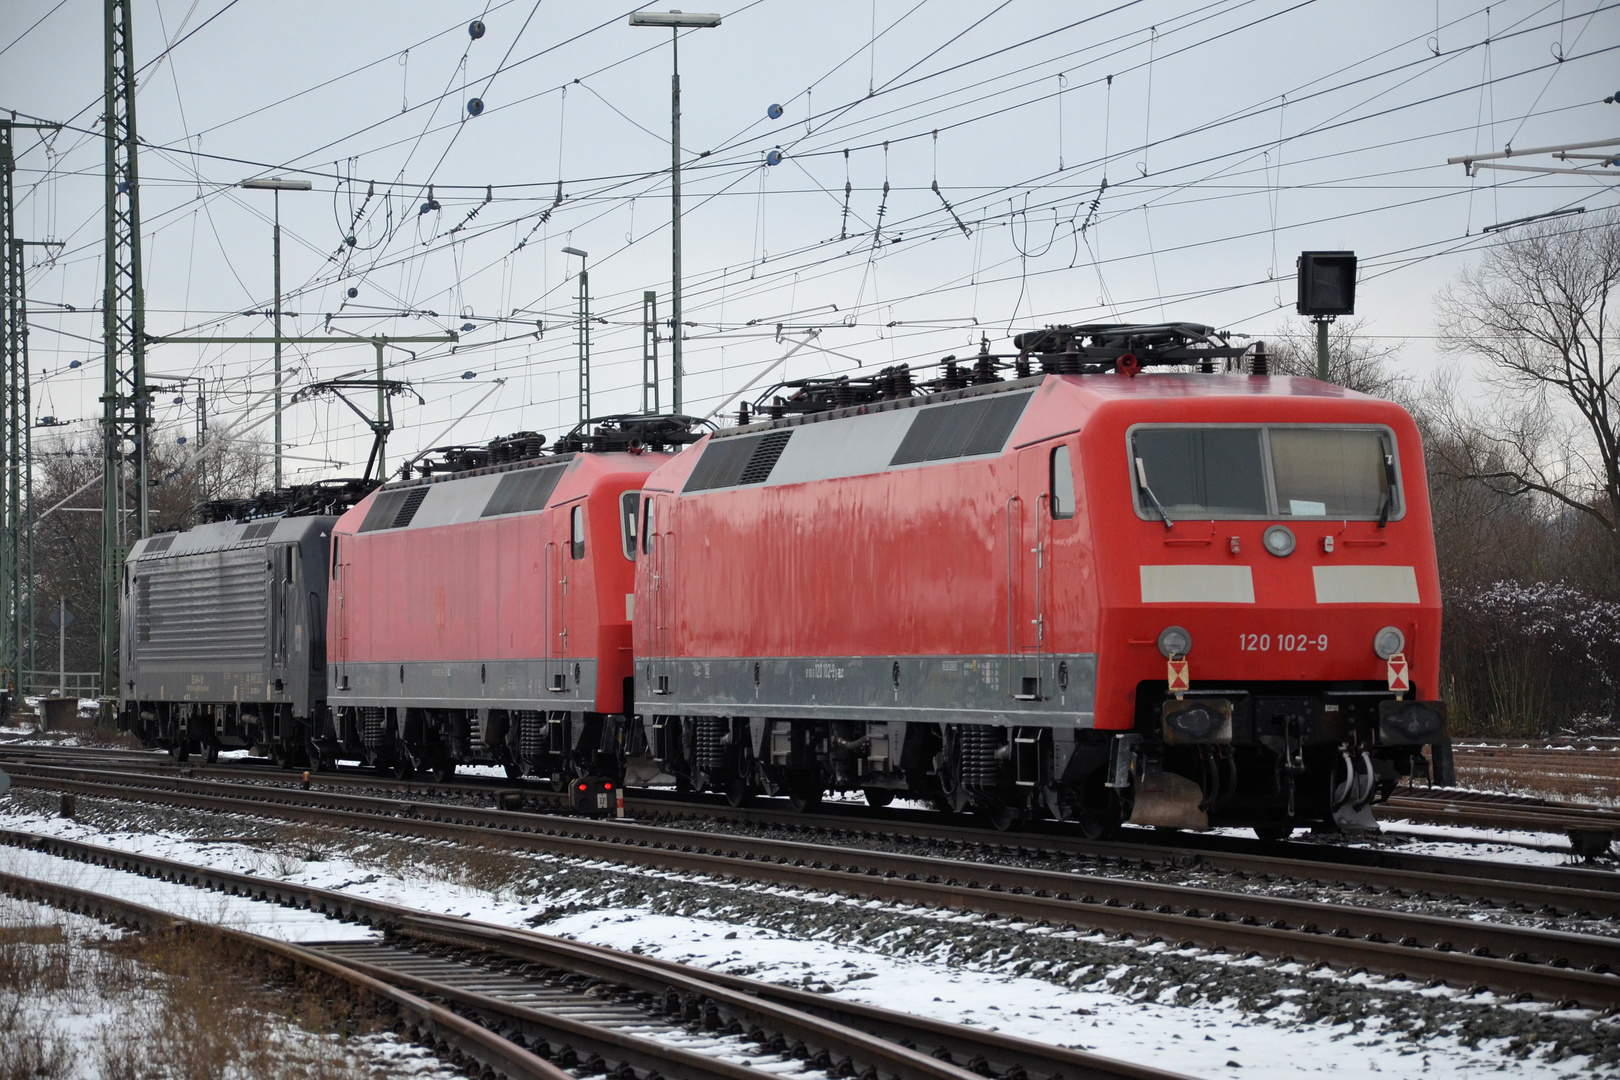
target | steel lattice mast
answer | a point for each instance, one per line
(14, 414)
(16, 435)
(124, 402)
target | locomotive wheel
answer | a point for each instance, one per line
(211, 753)
(403, 769)
(804, 800)
(443, 771)
(318, 762)
(180, 750)
(738, 792)
(1002, 818)
(1098, 824)
(879, 797)
(514, 771)
(282, 755)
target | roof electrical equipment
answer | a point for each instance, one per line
(1327, 283)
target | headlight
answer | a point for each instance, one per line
(1279, 540)
(1174, 641)
(1389, 641)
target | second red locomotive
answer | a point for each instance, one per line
(480, 614)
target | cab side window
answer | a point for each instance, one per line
(629, 513)
(1062, 483)
(647, 527)
(577, 532)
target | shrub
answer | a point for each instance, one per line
(1531, 658)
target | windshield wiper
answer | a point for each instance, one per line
(1141, 480)
(1389, 491)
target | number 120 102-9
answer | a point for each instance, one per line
(1283, 642)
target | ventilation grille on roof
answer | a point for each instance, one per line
(748, 459)
(260, 529)
(383, 509)
(413, 501)
(763, 459)
(527, 489)
(159, 544)
(961, 429)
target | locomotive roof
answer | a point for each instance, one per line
(962, 424)
(487, 470)
(1155, 385)
(229, 535)
(515, 487)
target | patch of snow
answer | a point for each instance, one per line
(255, 916)
(1204, 1039)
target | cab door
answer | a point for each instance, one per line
(551, 626)
(658, 547)
(1028, 543)
(281, 612)
(339, 635)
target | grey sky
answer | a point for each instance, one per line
(1233, 134)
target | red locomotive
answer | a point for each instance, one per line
(480, 614)
(1194, 598)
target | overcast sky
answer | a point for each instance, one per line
(1232, 134)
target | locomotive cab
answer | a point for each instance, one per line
(1276, 621)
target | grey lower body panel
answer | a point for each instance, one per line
(1048, 690)
(519, 685)
(190, 683)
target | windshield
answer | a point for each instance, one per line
(1273, 472)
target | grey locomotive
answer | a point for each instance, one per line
(223, 630)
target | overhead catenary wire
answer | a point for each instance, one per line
(784, 265)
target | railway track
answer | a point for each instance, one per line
(1591, 829)
(1400, 873)
(1518, 960)
(541, 1005)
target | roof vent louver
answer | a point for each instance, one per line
(523, 490)
(961, 429)
(763, 459)
(407, 511)
(383, 510)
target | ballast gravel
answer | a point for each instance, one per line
(555, 894)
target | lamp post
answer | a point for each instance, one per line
(675, 21)
(277, 184)
(584, 334)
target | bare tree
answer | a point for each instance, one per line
(1356, 360)
(1536, 310)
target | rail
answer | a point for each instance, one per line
(1515, 959)
(834, 1036)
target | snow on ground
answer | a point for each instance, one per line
(75, 1007)
(1497, 845)
(1452, 842)
(1201, 1039)
(258, 917)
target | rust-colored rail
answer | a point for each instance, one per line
(1501, 957)
(863, 1034)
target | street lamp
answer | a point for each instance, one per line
(277, 184)
(584, 334)
(675, 21)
